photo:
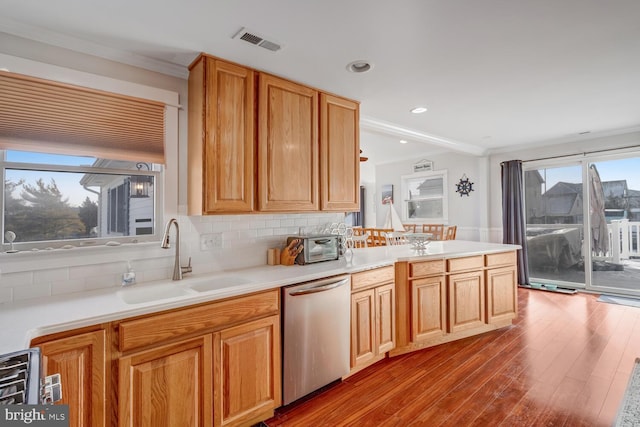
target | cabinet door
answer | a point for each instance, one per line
(363, 330)
(428, 308)
(385, 318)
(502, 296)
(466, 301)
(247, 378)
(287, 146)
(81, 362)
(221, 137)
(169, 385)
(339, 154)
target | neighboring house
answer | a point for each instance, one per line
(562, 203)
(119, 213)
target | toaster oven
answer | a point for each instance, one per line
(317, 248)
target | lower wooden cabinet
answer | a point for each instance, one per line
(170, 385)
(372, 323)
(466, 301)
(385, 319)
(214, 364)
(81, 362)
(247, 372)
(502, 296)
(442, 300)
(428, 308)
(363, 331)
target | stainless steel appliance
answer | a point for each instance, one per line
(316, 335)
(21, 380)
(317, 248)
(20, 377)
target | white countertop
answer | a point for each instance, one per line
(22, 321)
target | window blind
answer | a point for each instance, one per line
(48, 116)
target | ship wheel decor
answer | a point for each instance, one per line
(464, 187)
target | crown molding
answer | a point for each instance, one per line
(563, 140)
(90, 48)
(388, 128)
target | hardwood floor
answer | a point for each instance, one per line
(565, 362)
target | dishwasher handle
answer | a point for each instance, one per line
(319, 288)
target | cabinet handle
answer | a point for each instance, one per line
(320, 288)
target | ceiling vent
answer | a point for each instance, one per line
(256, 39)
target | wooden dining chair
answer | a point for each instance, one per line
(378, 236)
(358, 241)
(395, 238)
(437, 230)
(451, 232)
(409, 228)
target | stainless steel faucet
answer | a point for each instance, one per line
(178, 271)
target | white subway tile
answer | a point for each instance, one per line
(52, 275)
(10, 280)
(67, 286)
(33, 291)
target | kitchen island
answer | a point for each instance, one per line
(115, 346)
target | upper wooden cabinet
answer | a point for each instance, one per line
(262, 143)
(287, 146)
(221, 137)
(339, 154)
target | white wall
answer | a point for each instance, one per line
(469, 213)
(245, 237)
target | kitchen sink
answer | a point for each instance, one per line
(138, 295)
(219, 283)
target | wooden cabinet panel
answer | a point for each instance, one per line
(370, 278)
(502, 297)
(466, 263)
(428, 308)
(385, 319)
(466, 301)
(247, 372)
(500, 259)
(174, 324)
(288, 175)
(339, 154)
(426, 268)
(167, 386)
(221, 137)
(81, 362)
(363, 332)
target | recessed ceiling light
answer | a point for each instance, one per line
(418, 110)
(403, 141)
(359, 66)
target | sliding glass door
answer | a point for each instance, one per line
(583, 224)
(555, 225)
(616, 259)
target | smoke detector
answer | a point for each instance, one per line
(256, 39)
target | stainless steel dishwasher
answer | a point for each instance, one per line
(316, 335)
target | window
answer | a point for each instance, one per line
(71, 157)
(424, 197)
(57, 200)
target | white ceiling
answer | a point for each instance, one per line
(493, 73)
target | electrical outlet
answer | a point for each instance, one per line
(210, 241)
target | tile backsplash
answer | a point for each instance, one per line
(245, 240)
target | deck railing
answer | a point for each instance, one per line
(623, 235)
